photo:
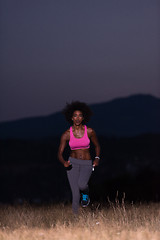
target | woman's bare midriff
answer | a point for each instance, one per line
(82, 154)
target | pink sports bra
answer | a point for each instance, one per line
(79, 143)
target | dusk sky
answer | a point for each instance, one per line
(56, 51)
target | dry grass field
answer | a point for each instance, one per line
(115, 221)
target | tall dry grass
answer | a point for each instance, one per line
(118, 221)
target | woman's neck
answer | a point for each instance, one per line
(79, 127)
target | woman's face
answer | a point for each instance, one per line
(77, 117)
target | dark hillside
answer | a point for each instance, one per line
(123, 117)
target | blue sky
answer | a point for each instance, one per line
(54, 51)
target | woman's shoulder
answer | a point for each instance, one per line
(90, 131)
(66, 134)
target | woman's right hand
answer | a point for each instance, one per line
(67, 164)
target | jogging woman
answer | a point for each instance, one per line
(79, 165)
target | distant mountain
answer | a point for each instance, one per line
(129, 116)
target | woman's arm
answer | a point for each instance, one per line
(63, 142)
(94, 139)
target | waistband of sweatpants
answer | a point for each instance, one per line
(80, 162)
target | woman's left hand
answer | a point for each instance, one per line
(95, 162)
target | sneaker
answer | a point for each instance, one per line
(85, 200)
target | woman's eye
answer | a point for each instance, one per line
(78, 115)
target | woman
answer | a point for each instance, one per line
(79, 165)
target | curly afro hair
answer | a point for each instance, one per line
(74, 106)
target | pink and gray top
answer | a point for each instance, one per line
(79, 143)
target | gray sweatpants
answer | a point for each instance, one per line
(78, 178)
